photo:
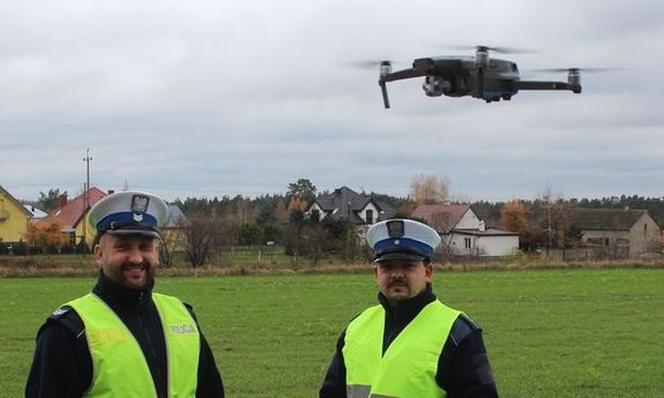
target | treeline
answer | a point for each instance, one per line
(280, 219)
(490, 211)
(546, 222)
(214, 225)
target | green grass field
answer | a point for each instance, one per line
(557, 333)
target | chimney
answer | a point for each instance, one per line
(62, 200)
(482, 226)
(111, 191)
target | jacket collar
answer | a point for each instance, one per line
(410, 306)
(118, 296)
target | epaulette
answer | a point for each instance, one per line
(462, 327)
(190, 308)
(59, 312)
(67, 317)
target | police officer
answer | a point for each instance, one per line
(123, 340)
(411, 344)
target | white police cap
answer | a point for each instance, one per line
(402, 240)
(129, 213)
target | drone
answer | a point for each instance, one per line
(479, 76)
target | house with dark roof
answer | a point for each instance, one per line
(71, 215)
(628, 233)
(464, 234)
(14, 218)
(345, 204)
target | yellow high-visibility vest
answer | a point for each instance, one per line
(408, 368)
(119, 366)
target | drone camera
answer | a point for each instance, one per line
(435, 86)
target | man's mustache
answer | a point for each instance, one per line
(397, 282)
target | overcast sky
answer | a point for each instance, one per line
(205, 98)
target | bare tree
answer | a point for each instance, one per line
(429, 189)
(172, 239)
(204, 236)
(556, 218)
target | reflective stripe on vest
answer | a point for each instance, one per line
(408, 368)
(118, 364)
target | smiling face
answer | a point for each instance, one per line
(402, 279)
(129, 260)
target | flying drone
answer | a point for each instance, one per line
(479, 76)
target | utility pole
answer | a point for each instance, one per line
(87, 160)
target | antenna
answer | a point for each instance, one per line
(87, 160)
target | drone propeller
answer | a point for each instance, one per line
(370, 64)
(502, 50)
(574, 69)
(385, 68)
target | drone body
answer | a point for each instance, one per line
(480, 77)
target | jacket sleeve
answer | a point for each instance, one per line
(464, 370)
(62, 366)
(209, 383)
(209, 380)
(334, 385)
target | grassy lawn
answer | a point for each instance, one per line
(556, 333)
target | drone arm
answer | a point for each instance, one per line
(383, 88)
(402, 74)
(545, 85)
(398, 75)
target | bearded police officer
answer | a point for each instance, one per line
(123, 340)
(411, 344)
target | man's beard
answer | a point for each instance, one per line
(120, 275)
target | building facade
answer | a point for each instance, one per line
(14, 218)
(620, 232)
(464, 234)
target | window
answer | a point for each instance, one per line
(369, 217)
(466, 242)
(315, 215)
(645, 230)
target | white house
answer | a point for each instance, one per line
(464, 234)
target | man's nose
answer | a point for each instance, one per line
(135, 256)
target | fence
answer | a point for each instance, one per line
(591, 253)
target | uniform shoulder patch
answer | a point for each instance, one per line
(67, 317)
(59, 312)
(462, 327)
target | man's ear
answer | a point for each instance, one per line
(98, 251)
(428, 270)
